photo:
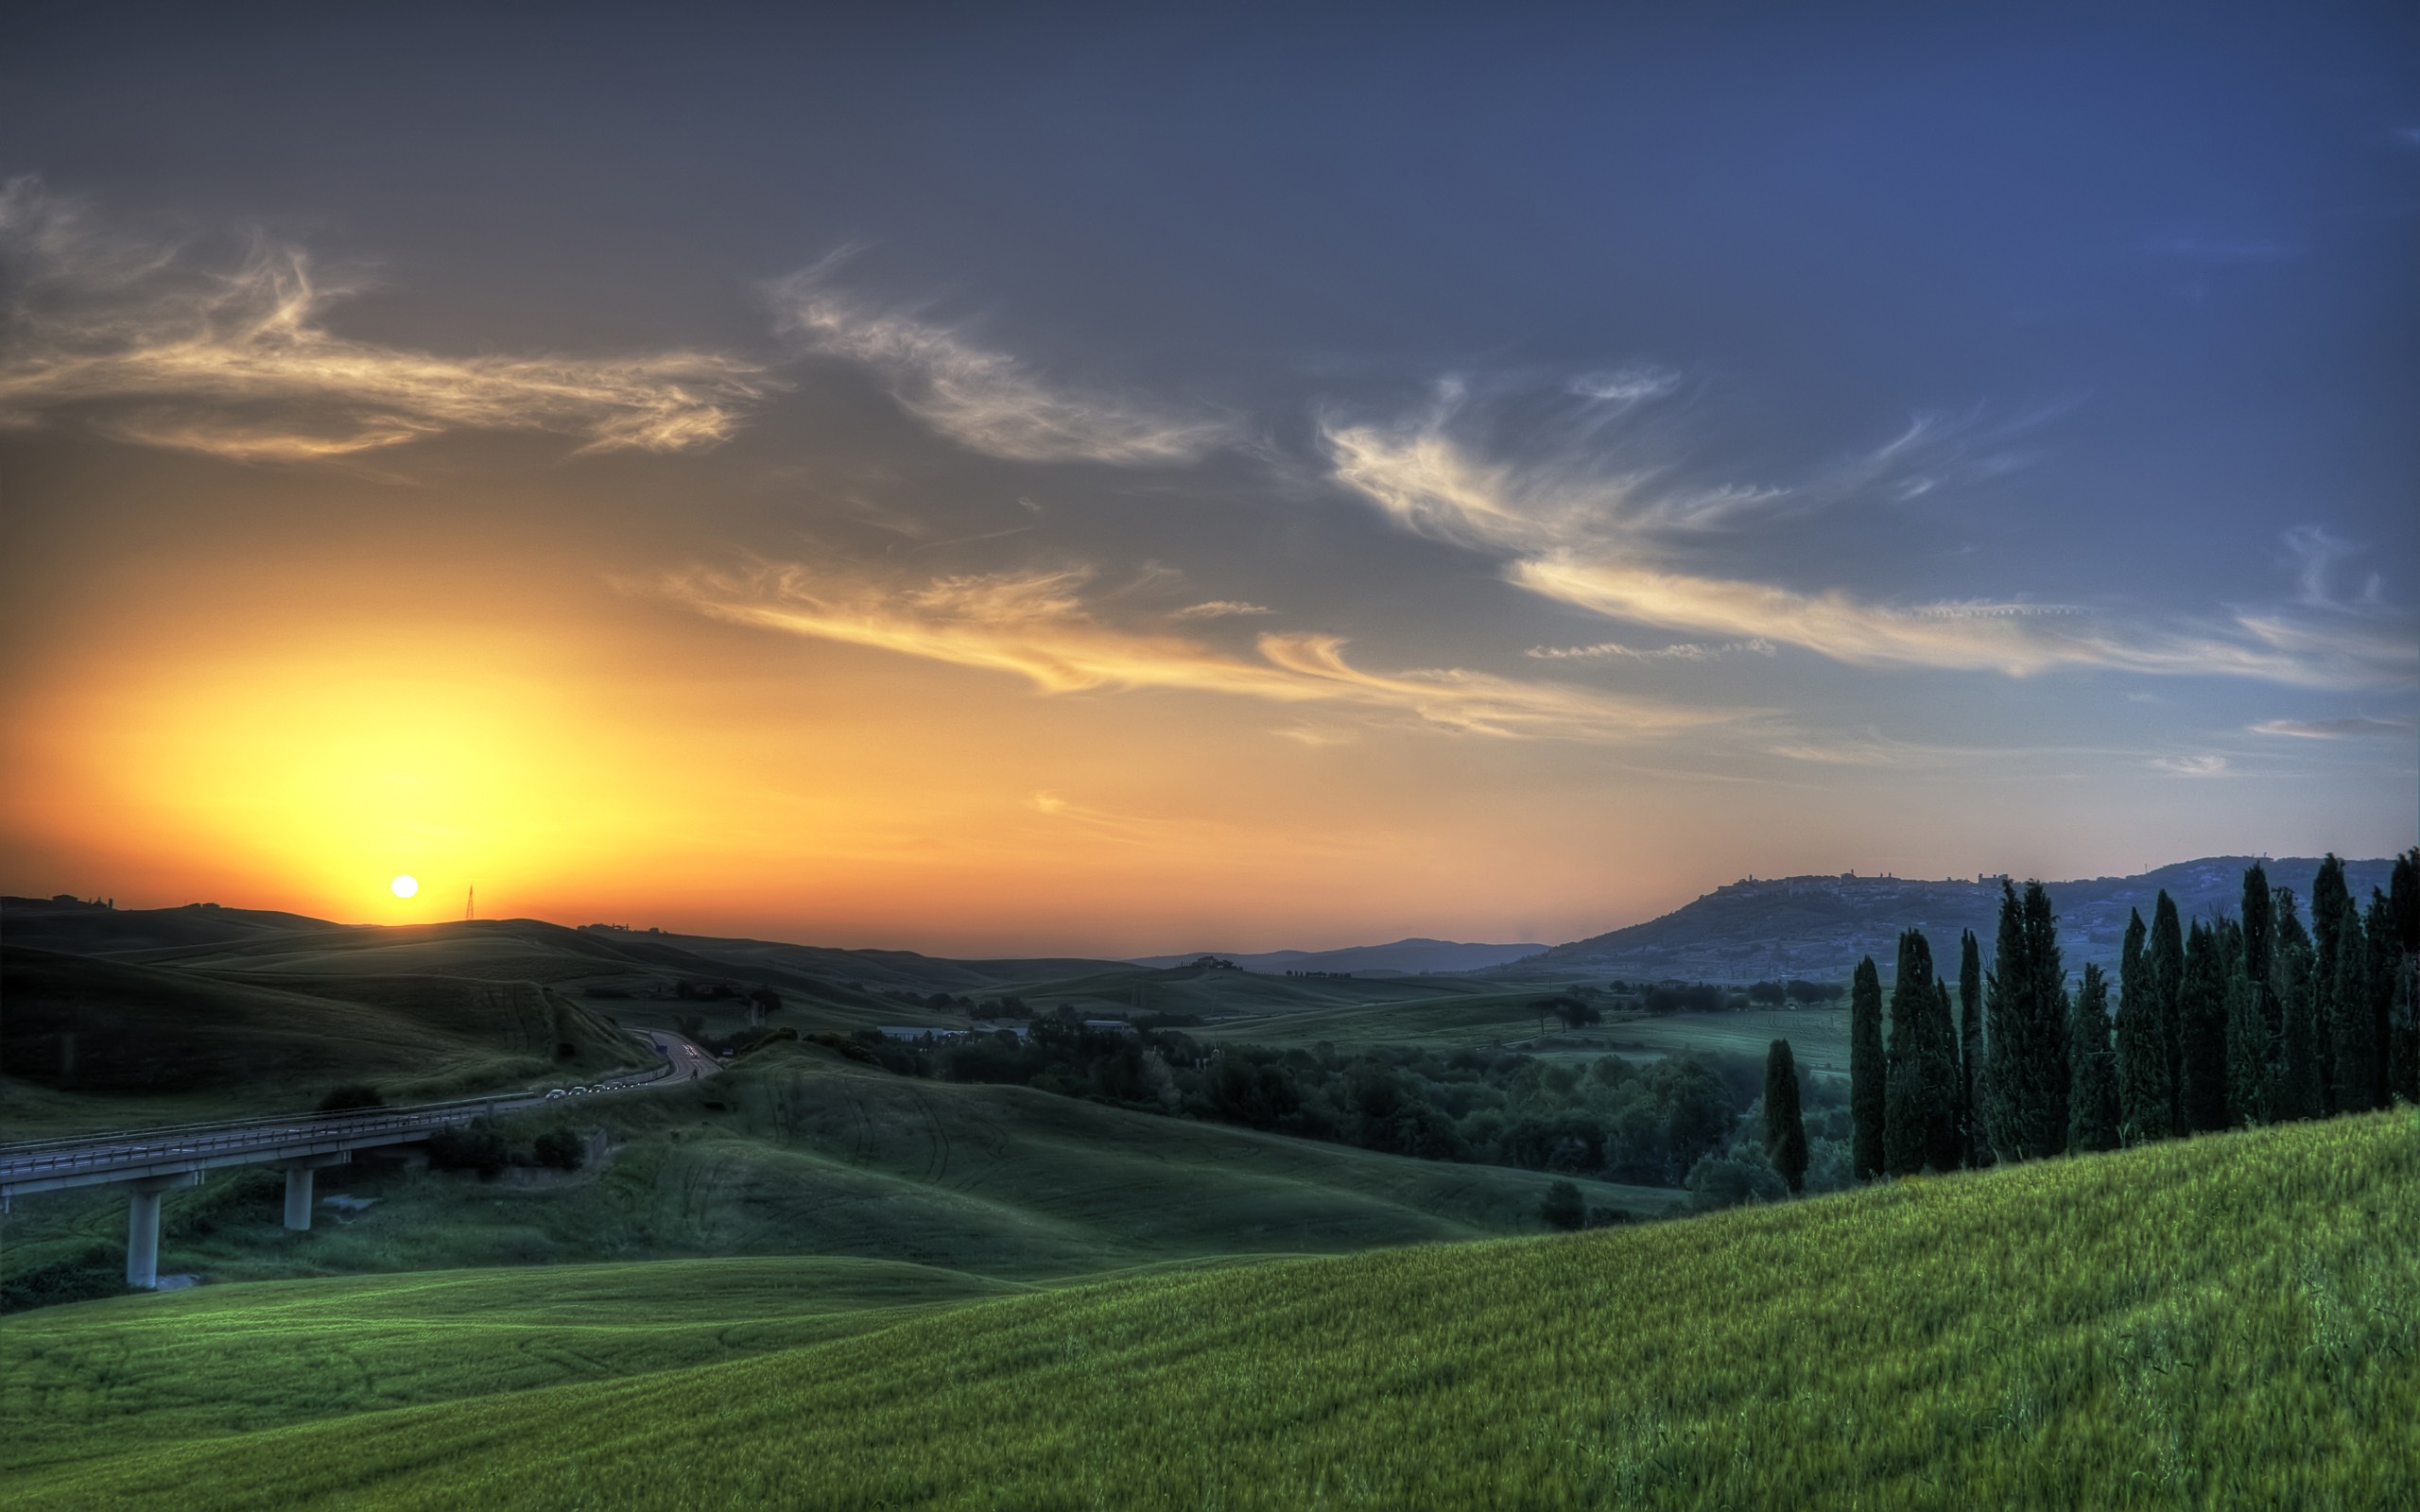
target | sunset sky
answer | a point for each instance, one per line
(1104, 483)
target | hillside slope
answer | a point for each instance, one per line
(98, 1042)
(1818, 927)
(2225, 1322)
(796, 1151)
(1400, 957)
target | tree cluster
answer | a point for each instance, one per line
(2237, 1019)
(1674, 1122)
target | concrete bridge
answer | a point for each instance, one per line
(148, 1162)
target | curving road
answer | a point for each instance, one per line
(149, 1161)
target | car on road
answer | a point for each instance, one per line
(557, 1093)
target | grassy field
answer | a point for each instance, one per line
(1817, 1036)
(239, 1359)
(2225, 1322)
(796, 1151)
(95, 1043)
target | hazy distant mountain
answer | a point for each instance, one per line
(1818, 927)
(1404, 956)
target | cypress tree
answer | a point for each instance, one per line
(2167, 999)
(1785, 1125)
(2201, 1009)
(1944, 1123)
(2264, 1013)
(2092, 1103)
(2403, 1044)
(2377, 974)
(2329, 896)
(2403, 900)
(2142, 1053)
(1906, 1113)
(2026, 1012)
(1867, 1068)
(1970, 1046)
(2351, 1036)
(2247, 1060)
(2298, 1082)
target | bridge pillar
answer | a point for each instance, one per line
(143, 1226)
(299, 1182)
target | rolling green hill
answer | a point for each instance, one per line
(96, 1043)
(798, 1151)
(2222, 1322)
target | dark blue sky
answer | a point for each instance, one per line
(2003, 411)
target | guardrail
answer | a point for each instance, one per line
(171, 1140)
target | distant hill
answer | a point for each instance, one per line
(1404, 956)
(1818, 927)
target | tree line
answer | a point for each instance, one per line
(2228, 1021)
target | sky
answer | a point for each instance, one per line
(1110, 480)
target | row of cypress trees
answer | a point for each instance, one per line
(2235, 1020)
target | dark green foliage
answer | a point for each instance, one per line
(1866, 1069)
(2297, 1094)
(1719, 1181)
(1944, 1126)
(2092, 1103)
(2403, 1030)
(1645, 1125)
(2403, 900)
(1563, 1207)
(1970, 1047)
(1680, 997)
(560, 1150)
(475, 1146)
(2248, 1052)
(2329, 896)
(1907, 1114)
(351, 1096)
(2352, 1033)
(98, 1271)
(1785, 1123)
(2165, 963)
(2026, 1104)
(2377, 970)
(2254, 1062)
(2141, 1049)
(2201, 1010)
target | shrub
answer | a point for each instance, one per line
(1719, 1181)
(100, 1271)
(559, 1148)
(351, 1096)
(1562, 1207)
(475, 1146)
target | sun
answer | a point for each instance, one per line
(405, 886)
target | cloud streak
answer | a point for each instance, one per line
(983, 398)
(1037, 626)
(2351, 727)
(237, 360)
(1606, 543)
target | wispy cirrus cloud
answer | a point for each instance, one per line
(983, 397)
(1219, 609)
(233, 358)
(1584, 530)
(2350, 727)
(1038, 627)
(1682, 651)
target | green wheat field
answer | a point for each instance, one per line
(2232, 1321)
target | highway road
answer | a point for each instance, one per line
(130, 1154)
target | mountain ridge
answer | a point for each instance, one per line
(1819, 925)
